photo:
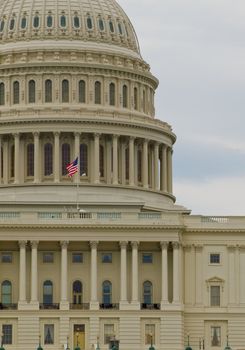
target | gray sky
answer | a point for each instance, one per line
(196, 48)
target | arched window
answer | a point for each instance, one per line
(2, 26)
(23, 22)
(48, 159)
(112, 94)
(49, 21)
(32, 91)
(102, 172)
(89, 23)
(83, 160)
(147, 292)
(125, 96)
(12, 24)
(36, 22)
(111, 26)
(97, 93)
(48, 90)
(6, 292)
(66, 158)
(30, 159)
(77, 292)
(48, 292)
(16, 96)
(76, 22)
(1, 162)
(135, 98)
(65, 91)
(63, 21)
(12, 161)
(139, 165)
(2, 94)
(82, 91)
(101, 25)
(106, 292)
(127, 163)
(120, 29)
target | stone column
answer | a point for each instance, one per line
(64, 303)
(135, 283)
(94, 304)
(22, 275)
(56, 157)
(124, 298)
(123, 163)
(16, 158)
(1, 159)
(176, 275)
(156, 166)
(36, 157)
(6, 161)
(34, 274)
(96, 158)
(232, 275)
(199, 274)
(115, 159)
(170, 173)
(145, 164)
(76, 177)
(131, 161)
(164, 301)
(164, 169)
(108, 160)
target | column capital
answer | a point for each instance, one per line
(146, 141)
(156, 144)
(115, 136)
(34, 244)
(16, 135)
(36, 133)
(77, 134)
(22, 244)
(199, 247)
(57, 133)
(187, 247)
(164, 245)
(64, 244)
(231, 247)
(96, 134)
(135, 244)
(93, 244)
(131, 138)
(123, 244)
(176, 245)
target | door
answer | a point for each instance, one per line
(79, 336)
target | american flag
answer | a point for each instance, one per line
(72, 168)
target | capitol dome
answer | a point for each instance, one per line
(82, 21)
(73, 84)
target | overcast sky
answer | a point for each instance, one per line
(196, 48)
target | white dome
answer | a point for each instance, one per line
(81, 20)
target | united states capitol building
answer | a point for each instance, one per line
(105, 256)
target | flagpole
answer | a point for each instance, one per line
(77, 185)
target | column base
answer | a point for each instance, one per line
(22, 305)
(124, 305)
(94, 305)
(164, 304)
(34, 305)
(64, 305)
(134, 305)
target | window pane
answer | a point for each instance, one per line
(89, 23)
(2, 25)
(48, 159)
(97, 93)
(6, 292)
(48, 292)
(12, 23)
(48, 334)
(65, 91)
(101, 161)
(7, 331)
(149, 334)
(65, 157)
(106, 257)
(48, 91)
(77, 257)
(36, 22)
(135, 98)
(82, 91)
(107, 289)
(76, 22)
(49, 21)
(215, 295)
(214, 258)
(147, 290)
(6, 257)
(101, 24)
(147, 258)
(125, 96)
(32, 91)
(63, 21)
(112, 94)
(2, 94)
(216, 336)
(16, 97)
(108, 333)
(83, 160)
(30, 159)
(111, 26)
(48, 257)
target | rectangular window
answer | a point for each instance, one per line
(216, 336)
(7, 331)
(108, 333)
(48, 334)
(215, 295)
(77, 257)
(147, 258)
(6, 257)
(214, 258)
(48, 257)
(150, 334)
(106, 257)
